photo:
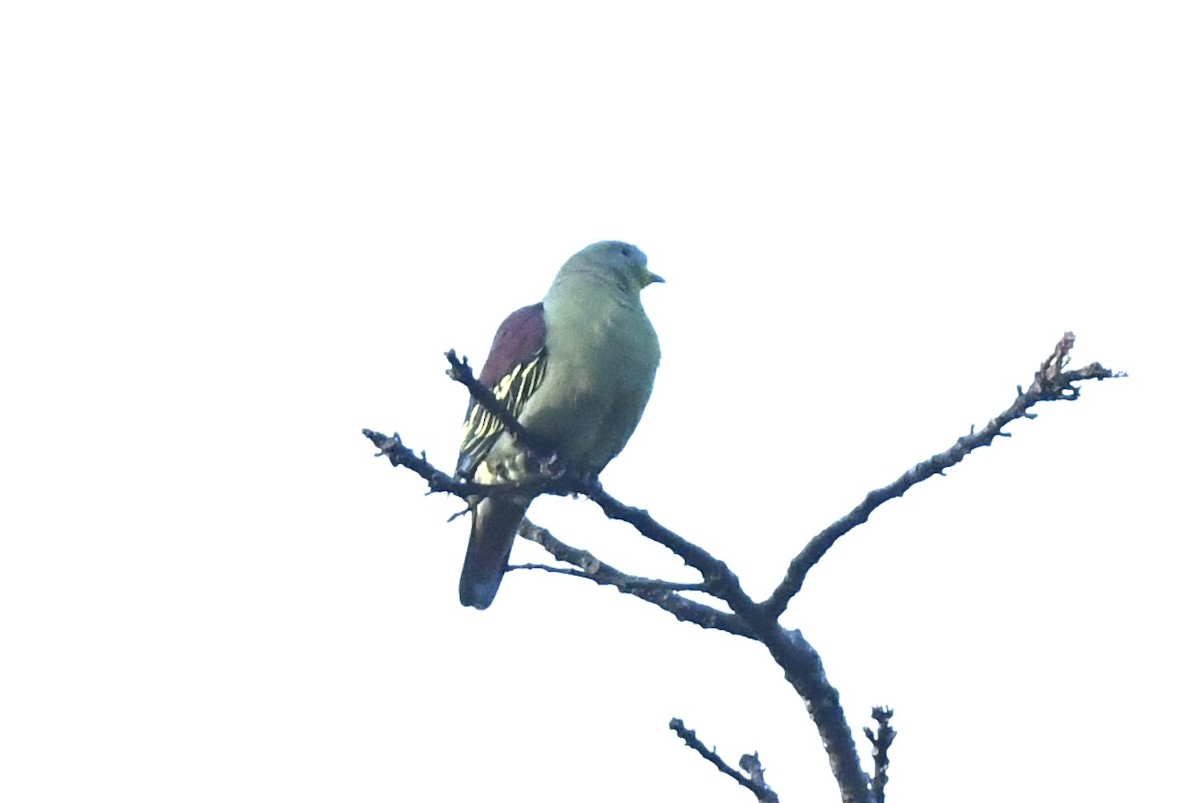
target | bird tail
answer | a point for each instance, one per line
(494, 523)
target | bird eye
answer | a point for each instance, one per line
(624, 251)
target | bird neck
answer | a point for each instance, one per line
(593, 288)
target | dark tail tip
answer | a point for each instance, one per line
(493, 530)
(475, 594)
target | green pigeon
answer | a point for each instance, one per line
(576, 370)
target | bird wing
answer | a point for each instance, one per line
(514, 369)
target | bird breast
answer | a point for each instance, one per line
(600, 364)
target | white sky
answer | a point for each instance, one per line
(236, 233)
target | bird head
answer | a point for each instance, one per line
(616, 262)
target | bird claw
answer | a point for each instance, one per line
(552, 466)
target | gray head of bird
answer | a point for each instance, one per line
(613, 262)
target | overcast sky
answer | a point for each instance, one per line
(234, 234)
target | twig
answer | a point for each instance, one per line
(391, 447)
(753, 780)
(601, 573)
(880, 739)
(629, 582)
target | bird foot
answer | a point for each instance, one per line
(552, 467)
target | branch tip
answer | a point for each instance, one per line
(881, 739)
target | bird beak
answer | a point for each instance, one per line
(655, 278)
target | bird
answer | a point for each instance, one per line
(576, 370)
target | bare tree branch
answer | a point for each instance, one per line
(758, 621)
(803, 669)
(752, 780)
(601, 573)
(630, 581)
(398, 454)
(626, 582)
(1050, 383)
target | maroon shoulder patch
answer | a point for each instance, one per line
(517, 340)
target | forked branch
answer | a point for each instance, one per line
(1053, 381)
